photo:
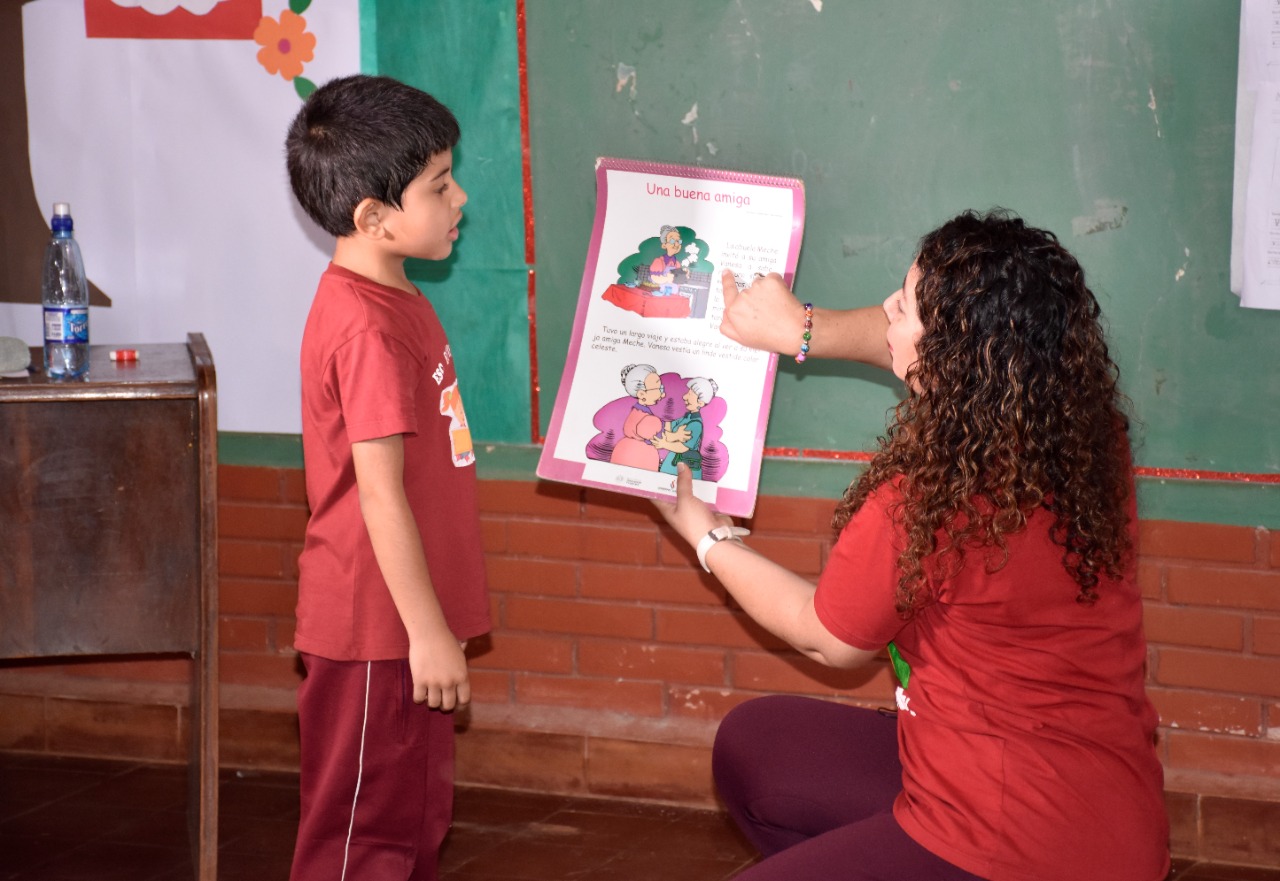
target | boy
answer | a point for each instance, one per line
(391, 577)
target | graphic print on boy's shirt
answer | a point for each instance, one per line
(459, 432)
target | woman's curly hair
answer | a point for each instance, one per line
(1013, 405)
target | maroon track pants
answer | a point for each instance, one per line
(376, 775)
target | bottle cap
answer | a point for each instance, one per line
(61, 220)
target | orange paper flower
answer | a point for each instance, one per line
(286, 44)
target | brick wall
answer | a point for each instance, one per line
(613, 656)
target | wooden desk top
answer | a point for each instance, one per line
(163, 370)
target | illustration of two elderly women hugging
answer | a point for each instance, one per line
(645, 434)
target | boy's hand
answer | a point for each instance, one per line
(439, 671)
(763, 315)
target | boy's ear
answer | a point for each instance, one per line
(369, 217)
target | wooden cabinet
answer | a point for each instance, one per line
(108, 528)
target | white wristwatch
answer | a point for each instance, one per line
(720, 533)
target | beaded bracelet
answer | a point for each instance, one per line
(807, 335)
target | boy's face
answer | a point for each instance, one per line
(426, 224)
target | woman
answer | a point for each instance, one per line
(988, 549)
(666, 266)
(702, 390)
(635, 448)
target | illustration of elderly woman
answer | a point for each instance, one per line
(642, 428)
(666, 269)
(683, 436)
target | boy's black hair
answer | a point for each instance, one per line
(360, 137)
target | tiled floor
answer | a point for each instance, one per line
(65, 819)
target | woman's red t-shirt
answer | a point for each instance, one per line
(1026, 736)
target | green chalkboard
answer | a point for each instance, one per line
(465, 54)
(1111, 124)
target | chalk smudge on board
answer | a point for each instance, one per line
(817, 5)
(626, 74)
(853, 245)
(1107, 214)
(690, 118)
(1154, 113)
(1182, 270)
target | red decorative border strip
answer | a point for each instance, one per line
(535, 385)
(526, 174)
(1162, 473)
(1190, 474)
(838, 455)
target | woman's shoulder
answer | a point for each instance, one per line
(889, 492)
(881, 505)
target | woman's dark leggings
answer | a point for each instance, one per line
(811, 784)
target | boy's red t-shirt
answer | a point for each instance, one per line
(1026, 736)
(376, 362)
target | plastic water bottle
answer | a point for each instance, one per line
(64, 292)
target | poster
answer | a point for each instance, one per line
(162, 123)
(649, 380)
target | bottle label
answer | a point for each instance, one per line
(63, 324)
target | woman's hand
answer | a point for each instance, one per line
(763, 315)
(689, 516)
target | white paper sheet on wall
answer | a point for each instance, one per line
(171, 152)
(1255, 228)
